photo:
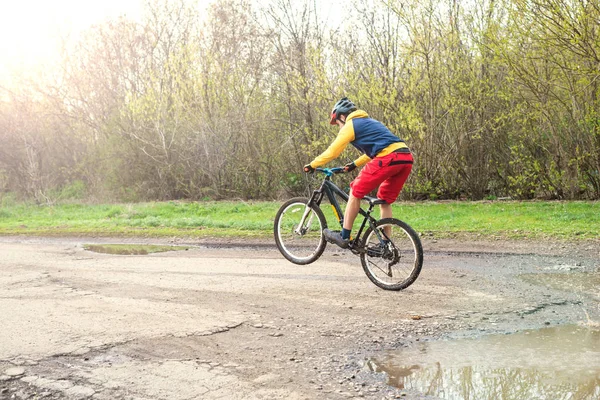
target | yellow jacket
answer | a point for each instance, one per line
(369, 136)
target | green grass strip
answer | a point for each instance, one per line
(510, 219)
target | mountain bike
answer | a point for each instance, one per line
(389, 249)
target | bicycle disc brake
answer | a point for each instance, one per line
(392, 255)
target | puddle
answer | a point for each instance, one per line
(575, 282)
(131, 249)
(551, 363)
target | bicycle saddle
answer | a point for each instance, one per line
(374, 200)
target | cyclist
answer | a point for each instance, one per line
(387, 163)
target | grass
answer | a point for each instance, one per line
(509, 219)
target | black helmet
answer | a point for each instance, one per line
(344, 106)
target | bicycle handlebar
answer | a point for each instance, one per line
(330, 171)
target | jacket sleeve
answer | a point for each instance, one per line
(345, 136)
(362, 160)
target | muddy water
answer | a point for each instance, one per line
(576, 282)
(131, 249)
(551, 363)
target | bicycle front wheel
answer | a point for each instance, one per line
(298, 231)
(394, 265)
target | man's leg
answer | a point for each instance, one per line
(390, 189)
(386, 212)
(342, 238)
(351, 212)
(367, 180)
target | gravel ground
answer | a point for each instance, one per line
(234, 320)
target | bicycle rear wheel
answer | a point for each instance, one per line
(300, 244)
(396, 265)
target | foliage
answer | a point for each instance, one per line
(495, 98)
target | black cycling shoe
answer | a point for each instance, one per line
(335, 237)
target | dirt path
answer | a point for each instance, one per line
(240, 322)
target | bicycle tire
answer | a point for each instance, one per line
(299, 249)
(397, 267)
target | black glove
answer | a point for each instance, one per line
(308, 169)
(349, 167)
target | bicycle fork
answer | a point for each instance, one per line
(302, 227)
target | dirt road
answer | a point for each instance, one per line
(240, 322)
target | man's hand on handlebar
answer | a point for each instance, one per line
(349, 167)
(336, 170)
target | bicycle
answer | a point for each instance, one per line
(390, 250)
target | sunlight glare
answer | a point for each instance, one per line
(30, 29)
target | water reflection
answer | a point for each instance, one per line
(555, 363)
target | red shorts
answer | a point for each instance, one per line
(389, 171)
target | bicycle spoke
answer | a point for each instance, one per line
(376, 266)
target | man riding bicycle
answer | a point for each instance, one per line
(386, 158)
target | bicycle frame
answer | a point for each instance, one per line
(390, 251)
(330, 190)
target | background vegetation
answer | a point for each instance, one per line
(497, 98)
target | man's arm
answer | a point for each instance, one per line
(362, 160)
(345, 136)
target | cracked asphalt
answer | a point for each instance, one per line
(237, 321)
